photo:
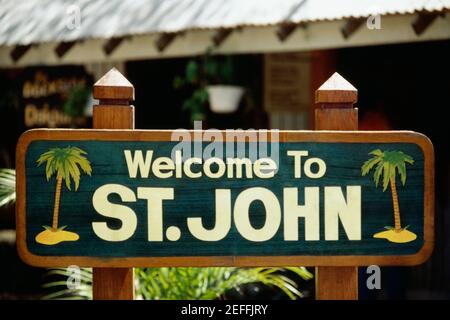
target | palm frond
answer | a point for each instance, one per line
(386, 174)
(302, 272)
(74, 173)
(59, 289)
(402, 172)
(408, 159)
(7, 186)
(377, 152)
(66, 176)
(387, 164)
(49, 168)
(369, 164)
(377, 174)
(66, 163)
(211, 283)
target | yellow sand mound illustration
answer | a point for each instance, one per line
(402, 236)
(51, 237)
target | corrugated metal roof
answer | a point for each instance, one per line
(319, 10)
(35, 21)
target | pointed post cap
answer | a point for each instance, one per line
(113, 86)
(336, 90)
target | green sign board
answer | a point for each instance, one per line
(159, 198)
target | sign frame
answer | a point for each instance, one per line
(239, 261)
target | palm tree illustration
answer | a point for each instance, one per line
(65, 163)
(386, 165)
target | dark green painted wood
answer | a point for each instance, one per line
(195, 197)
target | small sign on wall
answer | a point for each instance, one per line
(286, 82)
(55, 97)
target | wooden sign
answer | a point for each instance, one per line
(55, 96)
(123, 198)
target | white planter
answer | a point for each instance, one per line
(224, 99)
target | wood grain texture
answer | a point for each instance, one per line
(336, 119)
(332, 136)
(284, 136)
(336, 283)
(113, 117)
(113, 283)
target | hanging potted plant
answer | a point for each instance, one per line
(223, 95)
(211, 80)
(195, 81)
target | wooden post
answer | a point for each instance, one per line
(323, 63)
(336, 112)
(114, 111)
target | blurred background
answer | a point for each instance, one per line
(264, 57)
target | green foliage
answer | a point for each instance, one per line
(211, 283)
(196, 104)
(198, 74)
(66, 163)
(192, 72)
(76, 102)
(59, 288)
(219, 70)
(387, 164)
(7, 186)
(184, 283)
